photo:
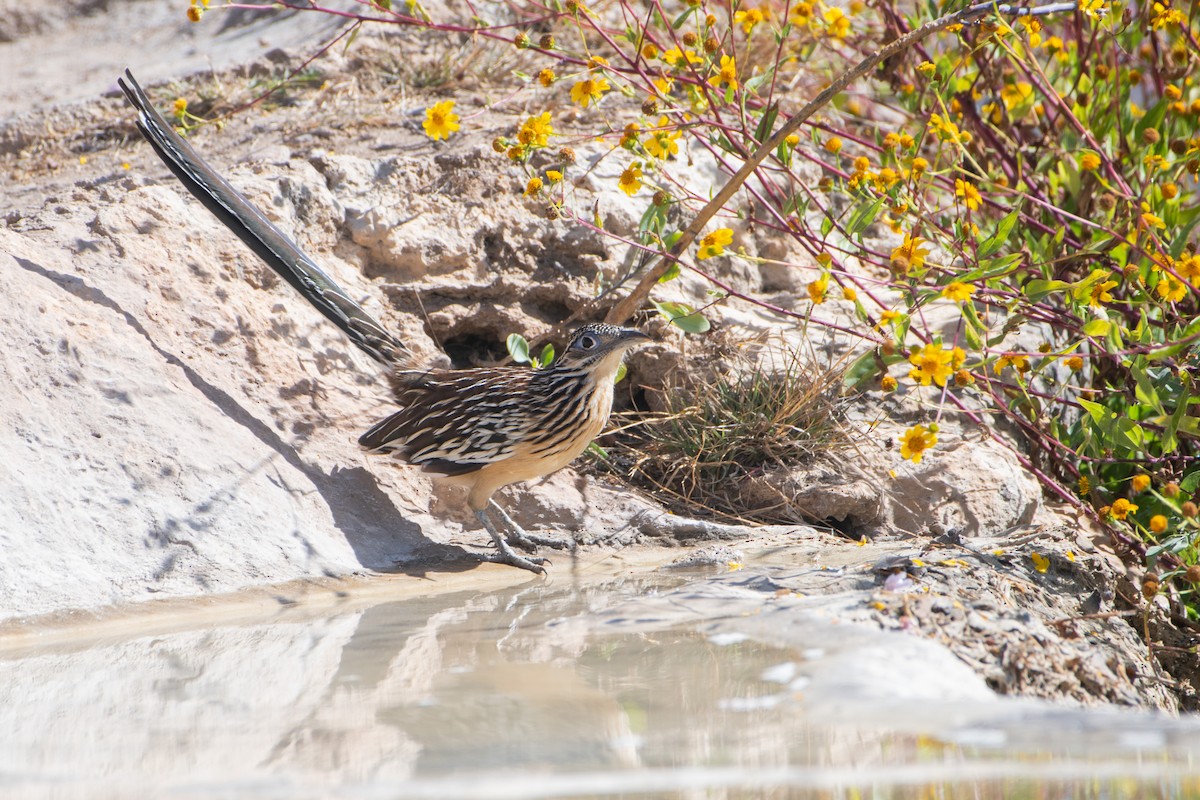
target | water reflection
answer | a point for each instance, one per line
(549, 691)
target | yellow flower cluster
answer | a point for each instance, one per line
(947, 131)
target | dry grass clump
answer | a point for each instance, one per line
(763, 410)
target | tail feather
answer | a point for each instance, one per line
(259, 233)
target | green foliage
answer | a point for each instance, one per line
(518, 348)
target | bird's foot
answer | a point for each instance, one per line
(530, 542)
(508, 556)
(505, 554)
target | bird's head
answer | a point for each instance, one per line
(599, 348)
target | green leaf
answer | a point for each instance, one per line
(1098, 327)
(671, 274)
(518, 348)
(863, 216)
(1145, 392)
(622, 371)
(1152, 118)
(654, 219)
(1036, 290)
(547, 356)
(974, 329)
(682, 18)
(994, 242)
(763, 131)
(683, 317)
(750, 85)
(992, 268)
(1082, 290)
(864, 368)
(1104, 418)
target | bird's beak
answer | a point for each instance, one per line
(632, 336)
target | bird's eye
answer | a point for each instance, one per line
(587, 341)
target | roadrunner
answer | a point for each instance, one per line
(480, 428)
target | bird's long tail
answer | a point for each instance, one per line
(259, 234)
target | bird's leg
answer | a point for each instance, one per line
(505, 554)
(529, 541)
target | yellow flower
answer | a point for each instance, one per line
(727, 74)
(714, 244)
(534, 187)
(678, 58)
(958, 292)
(553, 175)
(1158, 523)
(888, 317)
(631, 179)
(180, 107)
(817, 289)
(536, 131)
(958, 357)
(440, 120)
(1100, 293)
(596, 63)
(661, 142)
(930, 364)
(927, 68)
(910, 255)
(1122, 508)
(1075, 363)
(1189, 269)
(589, 90)
(837, 24)
(546, 77)
(1165, 16)
(801, 13)
(1033, 28)
(1093, 9)
(1013, 94)
(888, 384)
(834, 145)
(915, 441)
(1170, 288)
(750, 17)
(1017, 362)
(1139, 483)
(947, 131)
(886, 179)
(968, 193)
(1040, 562)
(1149, 219)
(850, 293)
(1089, 162)
(919, 165)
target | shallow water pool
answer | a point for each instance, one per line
(688, 686)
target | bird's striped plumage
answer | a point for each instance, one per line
(484, 428)
(454, 423)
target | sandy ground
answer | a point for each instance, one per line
(177, 424)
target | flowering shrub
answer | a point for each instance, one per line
(1030, 177)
